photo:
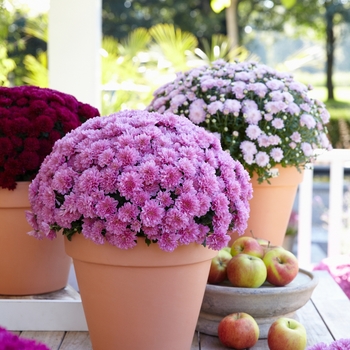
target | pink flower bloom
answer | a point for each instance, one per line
(197, 113)
(299, 87)
(187, 204)
(275, 84)
(214, 107)
(128, 212)
(307, 149)
(276, 96)
(253, 116)
(275, 107)
(293, 108)
(259, 88)
(262, 159)
(175, 220)
(170, 177)
(277, 154)
(152, 213)
(248, 147)
(296, 137)
(178, 100)
(278, 123)
(325, 116)
(129, 183)
(231, 106)
(308, 120)
(253, 132)
(264, 141)
(238, 89)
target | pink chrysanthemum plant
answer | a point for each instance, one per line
(31, 120)
(139, 174)
(262, 117)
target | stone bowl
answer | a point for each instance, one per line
(266, 304)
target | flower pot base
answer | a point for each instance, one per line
(142, 298)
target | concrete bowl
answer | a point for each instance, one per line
(265, 304)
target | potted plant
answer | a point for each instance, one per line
(31, 120)
(145, 201)
(264, 119)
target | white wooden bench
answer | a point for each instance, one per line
(337, 159)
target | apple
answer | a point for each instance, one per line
(282, 266)
(286, 334)
(238, 330)
(228, 249)
(247, 271)
(217, 271)
(247, 245)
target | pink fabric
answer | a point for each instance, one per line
(339, 268)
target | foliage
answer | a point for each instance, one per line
(262, 117)
(7, 65)
(175, 44)
(139, 174)
(194, 16)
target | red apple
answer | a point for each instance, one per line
(247, 245)
(217, 272)
(287, 334)
(248, 271)
(282, 266)
(238, 331)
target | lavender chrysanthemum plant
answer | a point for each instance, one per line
(263, 118)
(140, 174)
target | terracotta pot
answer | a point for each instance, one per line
(27, 265)
(271, 205)
(143, 298)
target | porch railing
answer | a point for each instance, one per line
(337, 160)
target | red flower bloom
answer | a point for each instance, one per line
(32, 119)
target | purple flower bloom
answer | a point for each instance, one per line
(197, 112)
(140, 174)
(278, 123)
(262, 159)
(277, 154)
(253, 132)
(229, 98)
(11, 341)
(340, 344)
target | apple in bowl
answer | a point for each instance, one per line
(282, 266)
(247, 245)
(246, 271)
(218, 266)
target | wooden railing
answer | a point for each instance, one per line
(336, 159)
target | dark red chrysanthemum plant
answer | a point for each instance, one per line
(31, 120)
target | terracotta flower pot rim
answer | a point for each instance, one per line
(293, 176)
(15, 199)
(140, 257)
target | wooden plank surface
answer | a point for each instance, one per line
(333, 305)
(326, 317)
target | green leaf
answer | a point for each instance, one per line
(288, 3)
(218, 5)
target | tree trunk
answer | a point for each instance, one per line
(330, 46)
(232, 23)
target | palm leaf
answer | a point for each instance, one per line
(175, 44)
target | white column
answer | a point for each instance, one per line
(75, 34)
